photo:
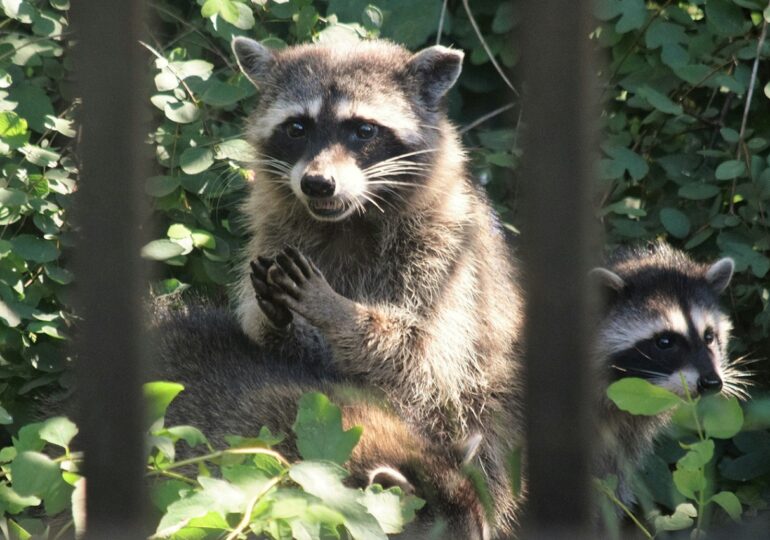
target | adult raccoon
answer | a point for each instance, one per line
(372, 253)
(231, 388)
(662, 321)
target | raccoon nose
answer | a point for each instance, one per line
(315, 185)
(709, 384)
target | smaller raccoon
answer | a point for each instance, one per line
(232, 388)
(661, 321)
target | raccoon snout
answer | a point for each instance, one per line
(315, 185)
(710, 383)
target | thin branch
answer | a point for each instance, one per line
(639, 35)
(244, 523)
(747, 107)
(487, 49)
(488, 116)
(172, 70)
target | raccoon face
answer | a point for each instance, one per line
(664, 324)
(344, 130)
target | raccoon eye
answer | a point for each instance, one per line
(296, 129)
(665, 341)
(708, 336)
(366, 131)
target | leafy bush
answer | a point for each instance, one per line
(686, 156)
(255, 489)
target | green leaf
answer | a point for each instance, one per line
(161, 250)
(5, 416)
(729, 503)
(387, 508)
(158, 395)
(634, 13)
(13, 503)
(682, 518)
(34, 474)
(724, 18)
(195, 160)
(675, 221)
(40, 156)
(727, 170)
(224, 8)
(160, 186)
(319, 430)
(689, 482)
(698, 191)
(638, 396)
(58, 430)
(13, 130)
(504, 18)
(664, 33)
(697, 456)
(324, 480)
(631, 161)
(181, 112)
(34, 249)
(658, 100)
(237, 150)
(372, 18)
(722, 417)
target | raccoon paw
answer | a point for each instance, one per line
(277, 314)
(301, 286)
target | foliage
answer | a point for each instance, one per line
(686, 156)
(247, 487)
(700, 469)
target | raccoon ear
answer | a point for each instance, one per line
(607, 279)
(436, 69)
(254, 59)
(720, 273)
(389, 477)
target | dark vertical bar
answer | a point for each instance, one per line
(556, 179)
(110, 72)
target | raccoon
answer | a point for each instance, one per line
(661, 322)
(372, 253)
(231, 388)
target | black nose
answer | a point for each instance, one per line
(709, 384)
(315, 185)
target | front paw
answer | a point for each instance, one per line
(278, 315)
(301, 286)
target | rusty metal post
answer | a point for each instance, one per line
(559, 142)
(111, 278)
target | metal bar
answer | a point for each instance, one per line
(110, 72)
(556, 180)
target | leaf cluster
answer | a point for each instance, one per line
(248, 488)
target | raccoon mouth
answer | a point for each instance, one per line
(326, 207)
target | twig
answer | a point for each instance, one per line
(487, 49)
(484, 118)
(639, 35)
(172, 70)
(218, 454)
(626, 510)
(747, 107)
(441, 22)
(250, 507)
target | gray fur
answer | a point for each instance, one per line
(232, 387)
(419, 299)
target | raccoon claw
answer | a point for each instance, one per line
(297, 283)
(277, 314)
